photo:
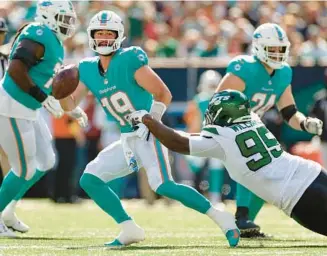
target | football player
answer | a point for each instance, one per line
(122, 81)
(253, 157)
(265, 78)
(35, 55)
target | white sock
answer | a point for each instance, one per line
(223, 219)
(215, 197)
(127, 224)
(11, 207)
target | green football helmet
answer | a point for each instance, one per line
(227, 108)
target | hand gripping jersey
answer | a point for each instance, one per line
(117, 90)
(262, 89)
(254, 158)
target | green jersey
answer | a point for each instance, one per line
(41, 73)
(262, 89)
(117, 90)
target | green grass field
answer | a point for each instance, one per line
(82, 229)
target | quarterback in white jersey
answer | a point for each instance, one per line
(253, 157)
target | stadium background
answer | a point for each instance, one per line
(182, 39)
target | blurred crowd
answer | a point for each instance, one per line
(194, 28)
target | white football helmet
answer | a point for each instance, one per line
(270, 35)
(59, 16)
(106, 20)
(209, 81)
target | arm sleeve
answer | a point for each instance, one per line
(205, 147)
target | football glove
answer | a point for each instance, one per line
(136, 121)
(312, 125)
(53, 107)
(79, 115)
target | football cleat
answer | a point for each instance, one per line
(256, 234)
(5, 231)
(130, 235)
(233, 237)
(245, 225)
(11, 221)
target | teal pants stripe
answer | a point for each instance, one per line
(162, 161)
(20, 147)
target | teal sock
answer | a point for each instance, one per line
(104, 197)
(116, 186)
(184, 194)
(256, 204)
(216, 181)
(243, 196)
(36, 177)
(11, 185)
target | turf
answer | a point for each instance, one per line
(82, 229)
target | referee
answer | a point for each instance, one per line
(4, 165)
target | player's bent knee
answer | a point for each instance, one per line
(30, 173)
(154, 184)
(89, 181)
(83, 182)
(48, 163)
(166, 189)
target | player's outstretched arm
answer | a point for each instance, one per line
(27, 54)
(169, 137)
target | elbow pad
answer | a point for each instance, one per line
(288, 112)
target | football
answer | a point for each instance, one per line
(65, 81)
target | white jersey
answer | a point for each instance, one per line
(254, 158)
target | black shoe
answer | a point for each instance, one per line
(255, 234)
(245, 225)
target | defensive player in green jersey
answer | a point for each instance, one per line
(194, 116)
(265, 78)
(253, 157)
(121, 79)
(36, 54)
